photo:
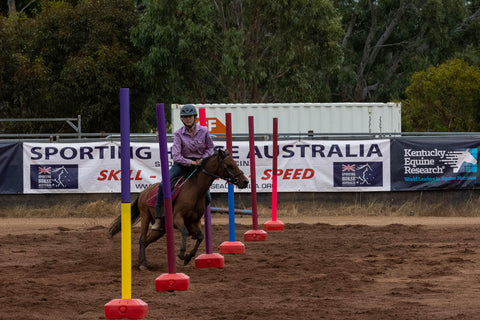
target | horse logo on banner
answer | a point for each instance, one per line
(54, 176)
(462, 161)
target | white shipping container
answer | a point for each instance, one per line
(296, 118)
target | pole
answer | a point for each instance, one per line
(171, 281)
(255, 234)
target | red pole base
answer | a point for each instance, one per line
(172, 282)
(273, 226)
(126, 309)
(255, 235)
(235, 247)
(209, 260)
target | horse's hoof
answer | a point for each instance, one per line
(181, 257)
(187, 260)
(142, 267)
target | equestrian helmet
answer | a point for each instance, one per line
(188, 110)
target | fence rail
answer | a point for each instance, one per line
(70, 121)
(152, 137)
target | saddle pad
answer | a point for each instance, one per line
(152, 197)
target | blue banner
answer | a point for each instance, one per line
(426, 163)
(11, 168)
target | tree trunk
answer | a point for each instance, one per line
(370, 53)
(11, 7)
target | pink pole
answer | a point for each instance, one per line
(274, 177)
(202, 117)
(274, 225)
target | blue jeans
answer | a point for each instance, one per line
(176, 171)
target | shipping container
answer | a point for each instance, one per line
(294, 118)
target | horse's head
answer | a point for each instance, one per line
(227, 169)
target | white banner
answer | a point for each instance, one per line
(303, 166)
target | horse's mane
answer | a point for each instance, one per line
(205, 160)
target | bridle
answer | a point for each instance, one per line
(232, 178)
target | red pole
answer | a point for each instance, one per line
(255, 234)
(231, 246)
(208, 259)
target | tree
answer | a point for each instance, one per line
(387, 41)
(68, 60)
(443, 98)
(239, 51)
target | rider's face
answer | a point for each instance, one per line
(188, 120)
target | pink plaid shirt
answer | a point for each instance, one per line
(185, 146)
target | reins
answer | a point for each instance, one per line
(228, 179)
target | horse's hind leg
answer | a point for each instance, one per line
(199, 236)
(183, 248)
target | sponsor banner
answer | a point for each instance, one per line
(90, 167)
(324, 166)
(424, 163)
(11, 168)
(302, 166)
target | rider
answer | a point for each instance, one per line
(191, 144)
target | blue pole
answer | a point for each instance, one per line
(231, 213)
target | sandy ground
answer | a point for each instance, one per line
(349, 267)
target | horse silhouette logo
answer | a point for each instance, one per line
(54, 176)
(462, 161)
(358, 174)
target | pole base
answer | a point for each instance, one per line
(209, 260)
(255, 235)
(234, 247)
(273, 226)
(172, 282)
(126, 309)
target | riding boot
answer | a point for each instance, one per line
(159, 224)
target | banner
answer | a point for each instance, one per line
(11, 168)
(420, 163)
(309, 166)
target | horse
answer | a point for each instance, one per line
(188, 205)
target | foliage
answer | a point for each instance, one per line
(238, 51)
(68, 60)
(386, 41)
(443, 98)
(61, 58)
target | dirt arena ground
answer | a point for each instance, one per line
(347, 267)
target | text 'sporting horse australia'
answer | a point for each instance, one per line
(188, 205)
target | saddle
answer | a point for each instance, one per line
(176, 186)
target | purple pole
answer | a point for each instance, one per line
(125, 143)
(167, 195)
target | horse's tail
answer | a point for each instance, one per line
(116, 225)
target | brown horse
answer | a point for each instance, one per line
(188, 206)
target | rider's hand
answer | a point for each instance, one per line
(197, 162)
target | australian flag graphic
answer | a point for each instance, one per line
(357, 174)
(58, 176)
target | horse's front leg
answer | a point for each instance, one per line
(199, 236)
(146, 238)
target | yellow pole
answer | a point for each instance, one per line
(126, 251)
